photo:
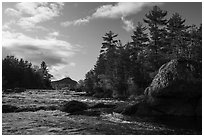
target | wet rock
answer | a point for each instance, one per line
(120, 108)
(102, 105)
(9, 109)
(55, 129)
(88, 112)
(74, 106)
(7, 91)
(19, 90)
(36, 108)
(15, 90)
(176, 88)
(140, 107)
(130, 109)
(98, 95)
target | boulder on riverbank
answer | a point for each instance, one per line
(131, 108)
(102, 105)
(15, 90)
(19, 90)
(6, 108)
(176, 89)
(74, 106)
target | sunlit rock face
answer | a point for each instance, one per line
(177, 88)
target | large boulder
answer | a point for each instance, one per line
(139, 107)
(74, 106)
(176, 89)
(6, 108)
(19, 90)
(6, 91)
(102, 105)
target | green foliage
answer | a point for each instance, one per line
(128, 69)
(19, 73)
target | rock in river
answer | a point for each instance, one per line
(74, 106)
(6, 108)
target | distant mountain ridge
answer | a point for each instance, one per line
(65, 83)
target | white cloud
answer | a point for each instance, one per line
(6, 26)
(119, 10)
(116, 11)
(53, 34)
(72, 64)
(128, 24)
(12, 12)
(31, 13)
(53, 51)
(76, 22)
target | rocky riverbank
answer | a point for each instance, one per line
(39, 112)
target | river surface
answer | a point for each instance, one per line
(44, 118)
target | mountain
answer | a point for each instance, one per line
(65, 83)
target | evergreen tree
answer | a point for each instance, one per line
(176, 36)
(138, 51)
(19, 73)
(127, 69)
(100, 66)
(108, 48)
(89, 82)
(195, 43)
(123, 66)
(45, 74)
(156, 22)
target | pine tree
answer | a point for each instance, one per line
(45, 75)
(100, 66)
(139, 38)
(137, 50)
(195, 43)
(20, 73)
(89, 82)
(109, 50)
(109, 43)
(176, 36)
(156, 22)
(123, 66)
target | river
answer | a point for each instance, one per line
(41, 116)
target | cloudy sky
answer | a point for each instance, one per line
(68, 36)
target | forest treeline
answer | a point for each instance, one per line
(21, 74)
(127, 69)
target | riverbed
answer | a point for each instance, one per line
(41, 116)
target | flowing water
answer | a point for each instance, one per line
(48, 119)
